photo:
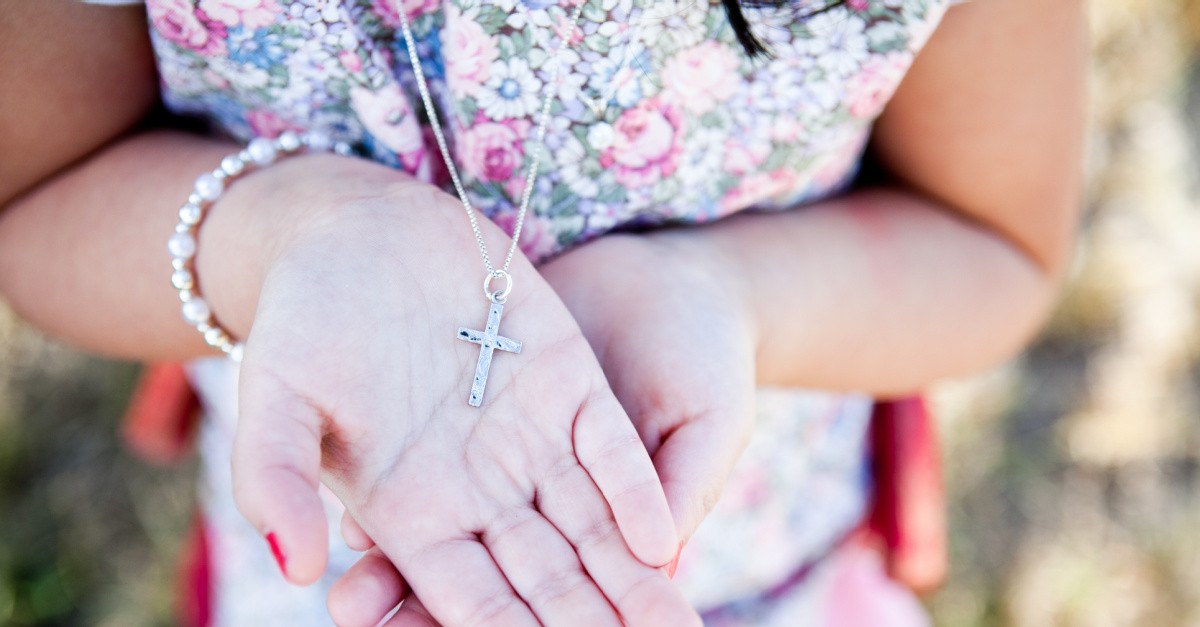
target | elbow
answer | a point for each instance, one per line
(1025, 287)
(1038, 294)
(1037, 254)
(1050, 240)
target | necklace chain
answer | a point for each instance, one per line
(530, 176)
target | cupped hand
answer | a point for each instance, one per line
(540, 507)
(665, 315)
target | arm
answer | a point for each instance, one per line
(74, 77)
(950, 268)
(86, 198)
(347, 280)
(947, 270)
(955, 266)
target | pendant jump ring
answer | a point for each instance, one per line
(500, 295)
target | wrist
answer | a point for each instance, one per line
(329, 218)
(263, 215)
(706, 256)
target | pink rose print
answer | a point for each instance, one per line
(576, 36)
(490, 151)
(350, 60)
(537, 237)
(494, 151)
(474, 51)
(742, 157)
(386, 116)
(646, 145)
(702, 76)
(757, 188)
(265, 123)
(870, 89)
(249, 13)
(858, 5)
(386, 9)
(180, 22)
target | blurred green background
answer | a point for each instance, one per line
(1075, 496)
(1072, 471)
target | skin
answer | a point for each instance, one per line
(309, 260)
(949, 268)
(458, 498)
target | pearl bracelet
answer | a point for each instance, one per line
(258, 154)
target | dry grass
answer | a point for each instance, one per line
(88, 535)
(1072, 471)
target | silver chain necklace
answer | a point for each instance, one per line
(489, 339)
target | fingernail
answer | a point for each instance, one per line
(675, 562)
(280, 558)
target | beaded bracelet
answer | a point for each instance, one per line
(258, 154)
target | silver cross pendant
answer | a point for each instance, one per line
(489, 340)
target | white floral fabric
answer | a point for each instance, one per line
(659, 118)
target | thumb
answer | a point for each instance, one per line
(276, 469)
(693, 462)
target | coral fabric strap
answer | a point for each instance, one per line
(909, 513)
(194, 579)
(159, 426)
(162, 414)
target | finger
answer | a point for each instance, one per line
(612, 452)
(364, 595)
(354, 535)
(694, 462)
(544, 569)
(461, 585)
(641, 594)
(412, 614)
(276, 465)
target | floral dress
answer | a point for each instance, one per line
(659, 117)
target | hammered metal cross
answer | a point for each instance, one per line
(488, 340)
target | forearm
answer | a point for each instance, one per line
(881, 290)
(83, 256)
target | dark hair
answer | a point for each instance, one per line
(754, 46)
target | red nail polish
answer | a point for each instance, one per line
(675, 562)
(280, 558)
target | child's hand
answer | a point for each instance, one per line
(540, 506)
(668, 319)
(667, 324)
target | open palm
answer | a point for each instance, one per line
(541, 506)
(667, 327)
